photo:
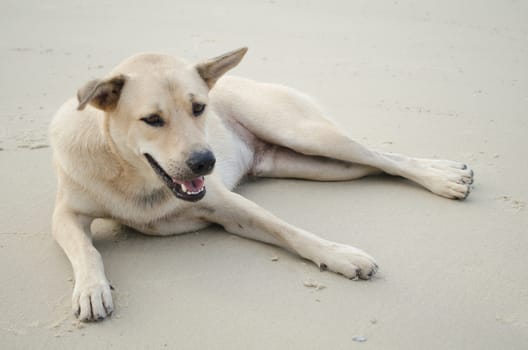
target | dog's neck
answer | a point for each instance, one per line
(152, 199)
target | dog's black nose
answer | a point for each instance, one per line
(201, 162)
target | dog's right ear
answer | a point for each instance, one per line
(102, 94)
(211, 70)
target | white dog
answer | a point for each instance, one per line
(159, 144)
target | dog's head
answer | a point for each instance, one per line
(155, 109)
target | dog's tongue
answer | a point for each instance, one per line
(194, 185)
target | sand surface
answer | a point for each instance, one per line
(427, 78)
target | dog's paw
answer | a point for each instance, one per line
(348, 261)
(92, 300)
(447, 178)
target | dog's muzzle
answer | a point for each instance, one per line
(201, 163)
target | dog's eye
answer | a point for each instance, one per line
(154, 120)
(198, 108)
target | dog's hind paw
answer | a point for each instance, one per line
(92, 300)
(447, 178)
(348, 261)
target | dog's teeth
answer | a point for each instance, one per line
(189, 191)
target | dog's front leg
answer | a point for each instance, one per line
(92, 299)
(245, 218)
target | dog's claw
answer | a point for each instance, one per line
(323, 267)
(467, 193)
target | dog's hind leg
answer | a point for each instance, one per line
(446, 178)
(284, 117)
(277, 161)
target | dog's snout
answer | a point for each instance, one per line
(201, 162)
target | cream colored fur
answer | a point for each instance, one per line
(100, 142)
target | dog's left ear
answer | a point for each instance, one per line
(212, 69)
(102, 94)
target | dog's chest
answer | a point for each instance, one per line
(233, 148)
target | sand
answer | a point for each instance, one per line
(426, 78)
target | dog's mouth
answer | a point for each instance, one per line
(189, 190)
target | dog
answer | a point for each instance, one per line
(159, 144)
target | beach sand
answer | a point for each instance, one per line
(426, 78)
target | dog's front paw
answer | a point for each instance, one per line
(92, 299)
(348, 261)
